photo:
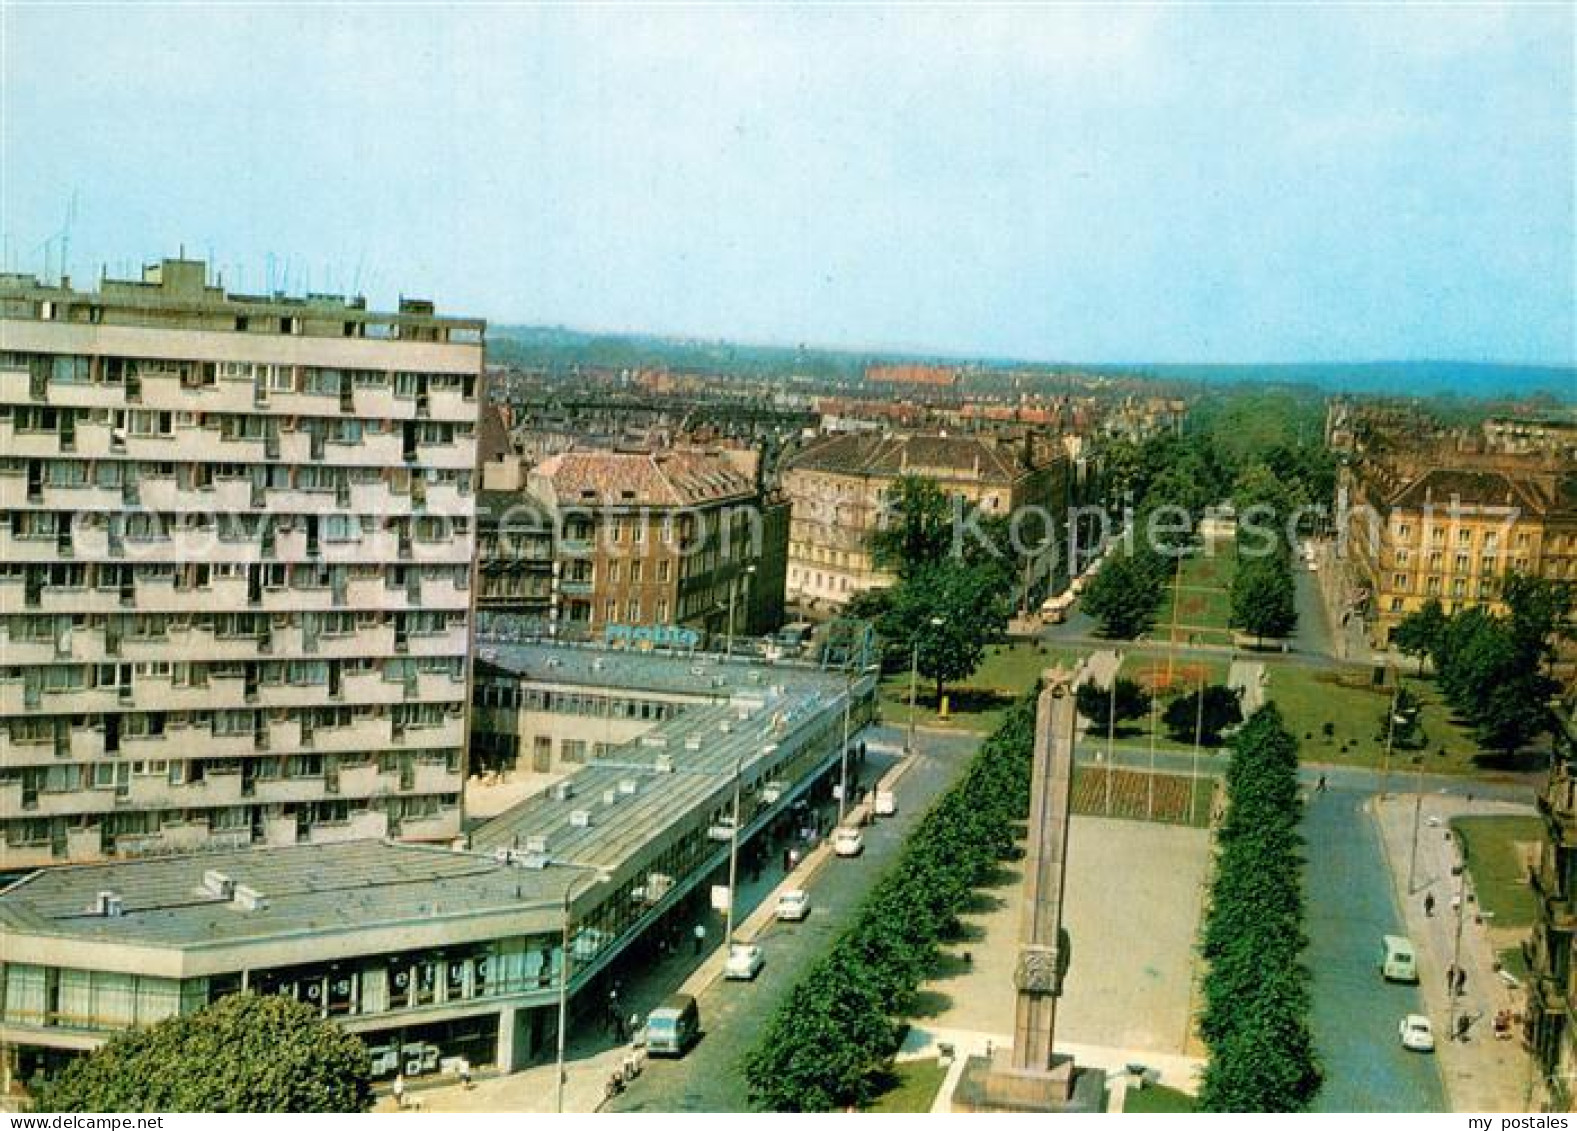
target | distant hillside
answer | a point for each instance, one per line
(558, 348)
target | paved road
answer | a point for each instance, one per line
(733, 1013)
(1350, 906)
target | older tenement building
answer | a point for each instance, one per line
(236, 537)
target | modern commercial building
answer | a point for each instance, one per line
(673, 536)
(431, 953)
(840, 489)
(235, 567)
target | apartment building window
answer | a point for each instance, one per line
(1437, 536)
(613, 572)
(1403, 530)
(610, 610)
(1464, 537)
(572, 750)
(632, 612)
(1436, 560)
(1432, 585)
(1461, 566)
(1459, 587)
(662, 611)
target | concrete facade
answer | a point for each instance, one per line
(236, 536)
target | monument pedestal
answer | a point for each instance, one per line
(993, 1084)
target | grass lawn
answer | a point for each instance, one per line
(914, 1084)
(1200, 602)
(1513, 962)
(1497, 856)
(1310, 698)
(979, 702)
(1157, 1099)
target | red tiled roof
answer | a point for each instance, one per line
(666, 478)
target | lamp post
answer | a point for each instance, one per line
(843, 768)
(733, 587)
(1390, 738)
(914, 679)
(596, 876)
(733, 853)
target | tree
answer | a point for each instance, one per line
(1489, 669)
(1262, 598)
(971, 605)
(919, 531)
(1123, 596)
(244, 1053)
(1222, 710)
(1125, 700)
(1419, 633)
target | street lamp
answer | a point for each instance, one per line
(596, 876)
(914, 679)
(843, 768)
(733, 586)
(733, 852)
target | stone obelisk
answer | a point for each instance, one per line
(1029, 1076)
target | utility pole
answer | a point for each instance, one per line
(1390, 735)
(1199, 734)
(1149, 801)
(1111, 737)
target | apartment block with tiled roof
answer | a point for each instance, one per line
(839, 488)
(1454, 531)
(676, 536)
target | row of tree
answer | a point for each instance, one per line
(1494, 668)
(1256, 990)
(836, 1031)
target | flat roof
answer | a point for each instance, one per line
(305, 888)
(735, 710)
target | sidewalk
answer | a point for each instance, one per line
(589, 1059)
(1481, 1073)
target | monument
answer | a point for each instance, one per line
(1030, 1076)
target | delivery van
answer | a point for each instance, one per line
(673, 1026)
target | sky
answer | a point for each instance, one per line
(1172, 183)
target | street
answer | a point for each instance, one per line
(1355, 1014)
(733, 1013)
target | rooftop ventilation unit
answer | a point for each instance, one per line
(109, 905)
(726, 727)
(218, 885)
(249, 899)
(664, 764)
(693, 742)
(580, 819)
(596, 665)
(609, 796)
(658, 884)
(627, 786)
(536, 844)
(657, 741)
(563, 791)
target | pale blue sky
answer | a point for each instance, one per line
(1085, 183)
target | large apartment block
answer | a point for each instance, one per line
(235, 567)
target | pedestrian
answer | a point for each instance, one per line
(1429, 905)
(788, 859)
(1451, 979)
(635, 1026)
(399, 1090)
(1464, 1023)
(465, 1073)
(700, 936)
(619, 1034)
(1461, 981)
(1320, 788)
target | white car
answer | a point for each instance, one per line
(744, 962)
(886, 804)
(848, 842)
(793, 905)
(1416, 1033)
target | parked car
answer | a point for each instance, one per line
(886, 804)
(848, 842)
(744, 962)
(1416, 1033)
(793, 905)
(1397, 960)
(673, 1026)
